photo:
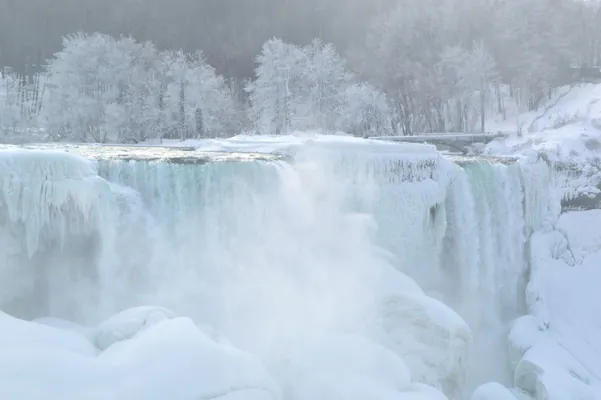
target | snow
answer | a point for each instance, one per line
(564, 353)
(567, 132)
(128, 323)
(289, 144)
(170, 359)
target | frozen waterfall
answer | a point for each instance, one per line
(344, 272)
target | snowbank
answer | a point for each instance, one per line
(561, 345)
(171, 359)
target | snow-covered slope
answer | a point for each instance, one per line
(567, 132)
(563, 127)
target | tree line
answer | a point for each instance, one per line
(100, 88)
(377, 67)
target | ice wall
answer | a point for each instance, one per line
(282, 257)
(53, 209)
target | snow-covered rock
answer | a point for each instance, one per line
(170, 358)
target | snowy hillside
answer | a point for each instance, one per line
(567, 132)
(558, 126)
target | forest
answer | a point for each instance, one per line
(131, 70)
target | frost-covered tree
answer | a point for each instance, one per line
(106, 89)
(10, 112)
(532, 51)
(532, 44)
(323, 83)
(364, 111)
(20, 102)
(138, 100)
(525, 46)
(466, 75)
(87, 80)
(407, 42)
(274, 93)
(199, 101)
(298, 88)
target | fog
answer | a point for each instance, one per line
(229, 32)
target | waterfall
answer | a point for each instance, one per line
(394, 244)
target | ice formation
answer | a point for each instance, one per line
(385, 264)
